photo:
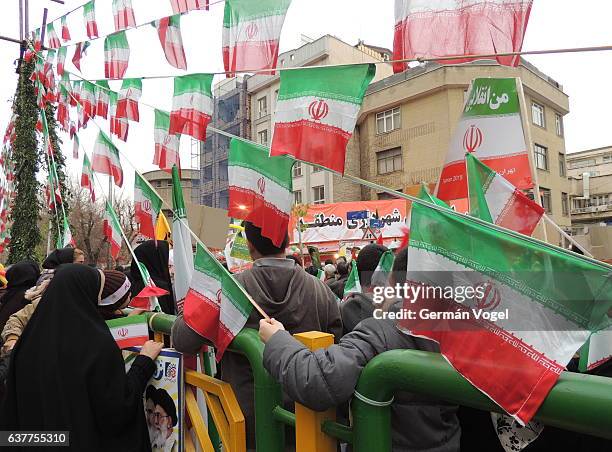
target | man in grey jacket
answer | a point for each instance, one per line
(285, 292)
(328, 377)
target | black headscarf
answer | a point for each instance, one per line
(67, 373)
(20, 277)
(155, 258)
(59, 257)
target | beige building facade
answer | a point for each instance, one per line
(162, 182)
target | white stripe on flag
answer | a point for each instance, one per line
(247, 179)
(193, 100)
(340, 114)
(266, 28)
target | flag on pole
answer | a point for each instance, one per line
(102, 98)
(131, 331)
(147, 298)
(53, 40)
(320, 275)
(87, 177)
(65, 29)
(352, 283)
(494, 199)
(491, 129)
(79, 52)
(89, 14)
(106, 159)
(116, 55)
(61, 60)
(452, 27)
(75, 146)
(183, 6)
(162, 228)
(192, 105)
(215, 307)
(118, 126)
(316, 112)
(127, 105)
(147, 205)
(383, 270)
(171, 39)
(66, 239)
(112, 230)
(123, 14)
(251, 32)
(182, 250)
(532, 307)
(260, 189)
(166, 145)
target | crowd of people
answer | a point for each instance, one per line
(62, 369)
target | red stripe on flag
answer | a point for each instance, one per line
(104, 165)
(131, 341)
(146, 222)
(249, 55)
(521, 214)
(92, 29)
(128, 108)
(115, 69)
(189, 122)
(108, 233)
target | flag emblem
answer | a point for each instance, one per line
(123, 332)
(472, 138)
(318, 109)
(219, 295)
(490, 298)
(252, 30)
(261, 185)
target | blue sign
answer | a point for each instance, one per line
(376, 223)
(357, 215)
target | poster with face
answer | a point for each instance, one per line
(164, 400)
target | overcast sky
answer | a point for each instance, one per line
(553, 24)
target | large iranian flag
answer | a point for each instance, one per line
(494, 199)
(102, 98)
(251, 32)
(106, 159)
(87, 176)
(171, 39)
(112, 230)
(116, 55)
(53, 40)
(127, 105)
(166, 145)
(89, 14)
(147, 205)
(123, 14)
(547, 301)
(316, 112)
(491, 129)
(215, 307)
(129, 331)
(260, 189)
(181, 237)
(192, 105)
(118, 126)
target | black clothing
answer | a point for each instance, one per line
(21, 276)
(59, 257)
(155, 258)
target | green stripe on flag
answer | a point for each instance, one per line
(162, 120)
(237, 11)
(124, 321)
(116, 41)
(178, 203)
(193, 83)
(479, 179)
(255, 157)
(149, 193)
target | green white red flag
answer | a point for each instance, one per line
(123, 14)
(597, 351)
(183, 6)
(116, 55)
(106, 159)
(171, 39)
(147, 205)
(383, 270)
(66, 239)
(87, 177)
(87, 99)
(192, 105)
(491, 129)
(53, 40)
(494, 199)
(118, 126)
(353, 285)
(61, 60)
(251, 33)
(547, 301)
(79, 52)
(166, 145)
(260, 189)
(89, 15)
(215, 307)
(127, 105)
(102, 98)
(182, 250)
(316, 112)
(131, 331)
(65, 29)
(147, 298)
(112, 230)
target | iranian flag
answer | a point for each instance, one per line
(102, 98)
(147, 205)
(171, 39)
(53, 40)
(531, 305)
(183, 6)
(75, 91)
(597, 351)
(66, 239)
(131, 331)
(75, 146)
(260, 189)
(87, 177)
(79, 52)
(127, 105)
(440, 28)
(166, 145)
(116, 55)
(87, 98)
(192, 105)
(215, 307)
(383, 270)
(491, 129)
(182, 250)
(65, 29)
(494, 199)
(61, 60)
(106, 159)
(316, 112)
(118, 126)
(123, 14)
(63, 115)
(251, 32)
(112, 230)
(147, 298)
(89, 14)
(352, 283)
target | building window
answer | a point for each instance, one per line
(546, 200)
(223, 171)
(263, 137)
(297, 197)
(559, 124)
(157, 183)
(169, 183)
(562, 171)
(387, 121)
(607, 158)
(262, 106)
(297, 169)
(537, 114)
(318, 194)
(223, 199)
(389, 161)
(207, 173)
(316, 169)
(292, 57)
(565, 204)
(207, 200)
(581, 163)
(541, 157)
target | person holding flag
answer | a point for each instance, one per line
(154, 256)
